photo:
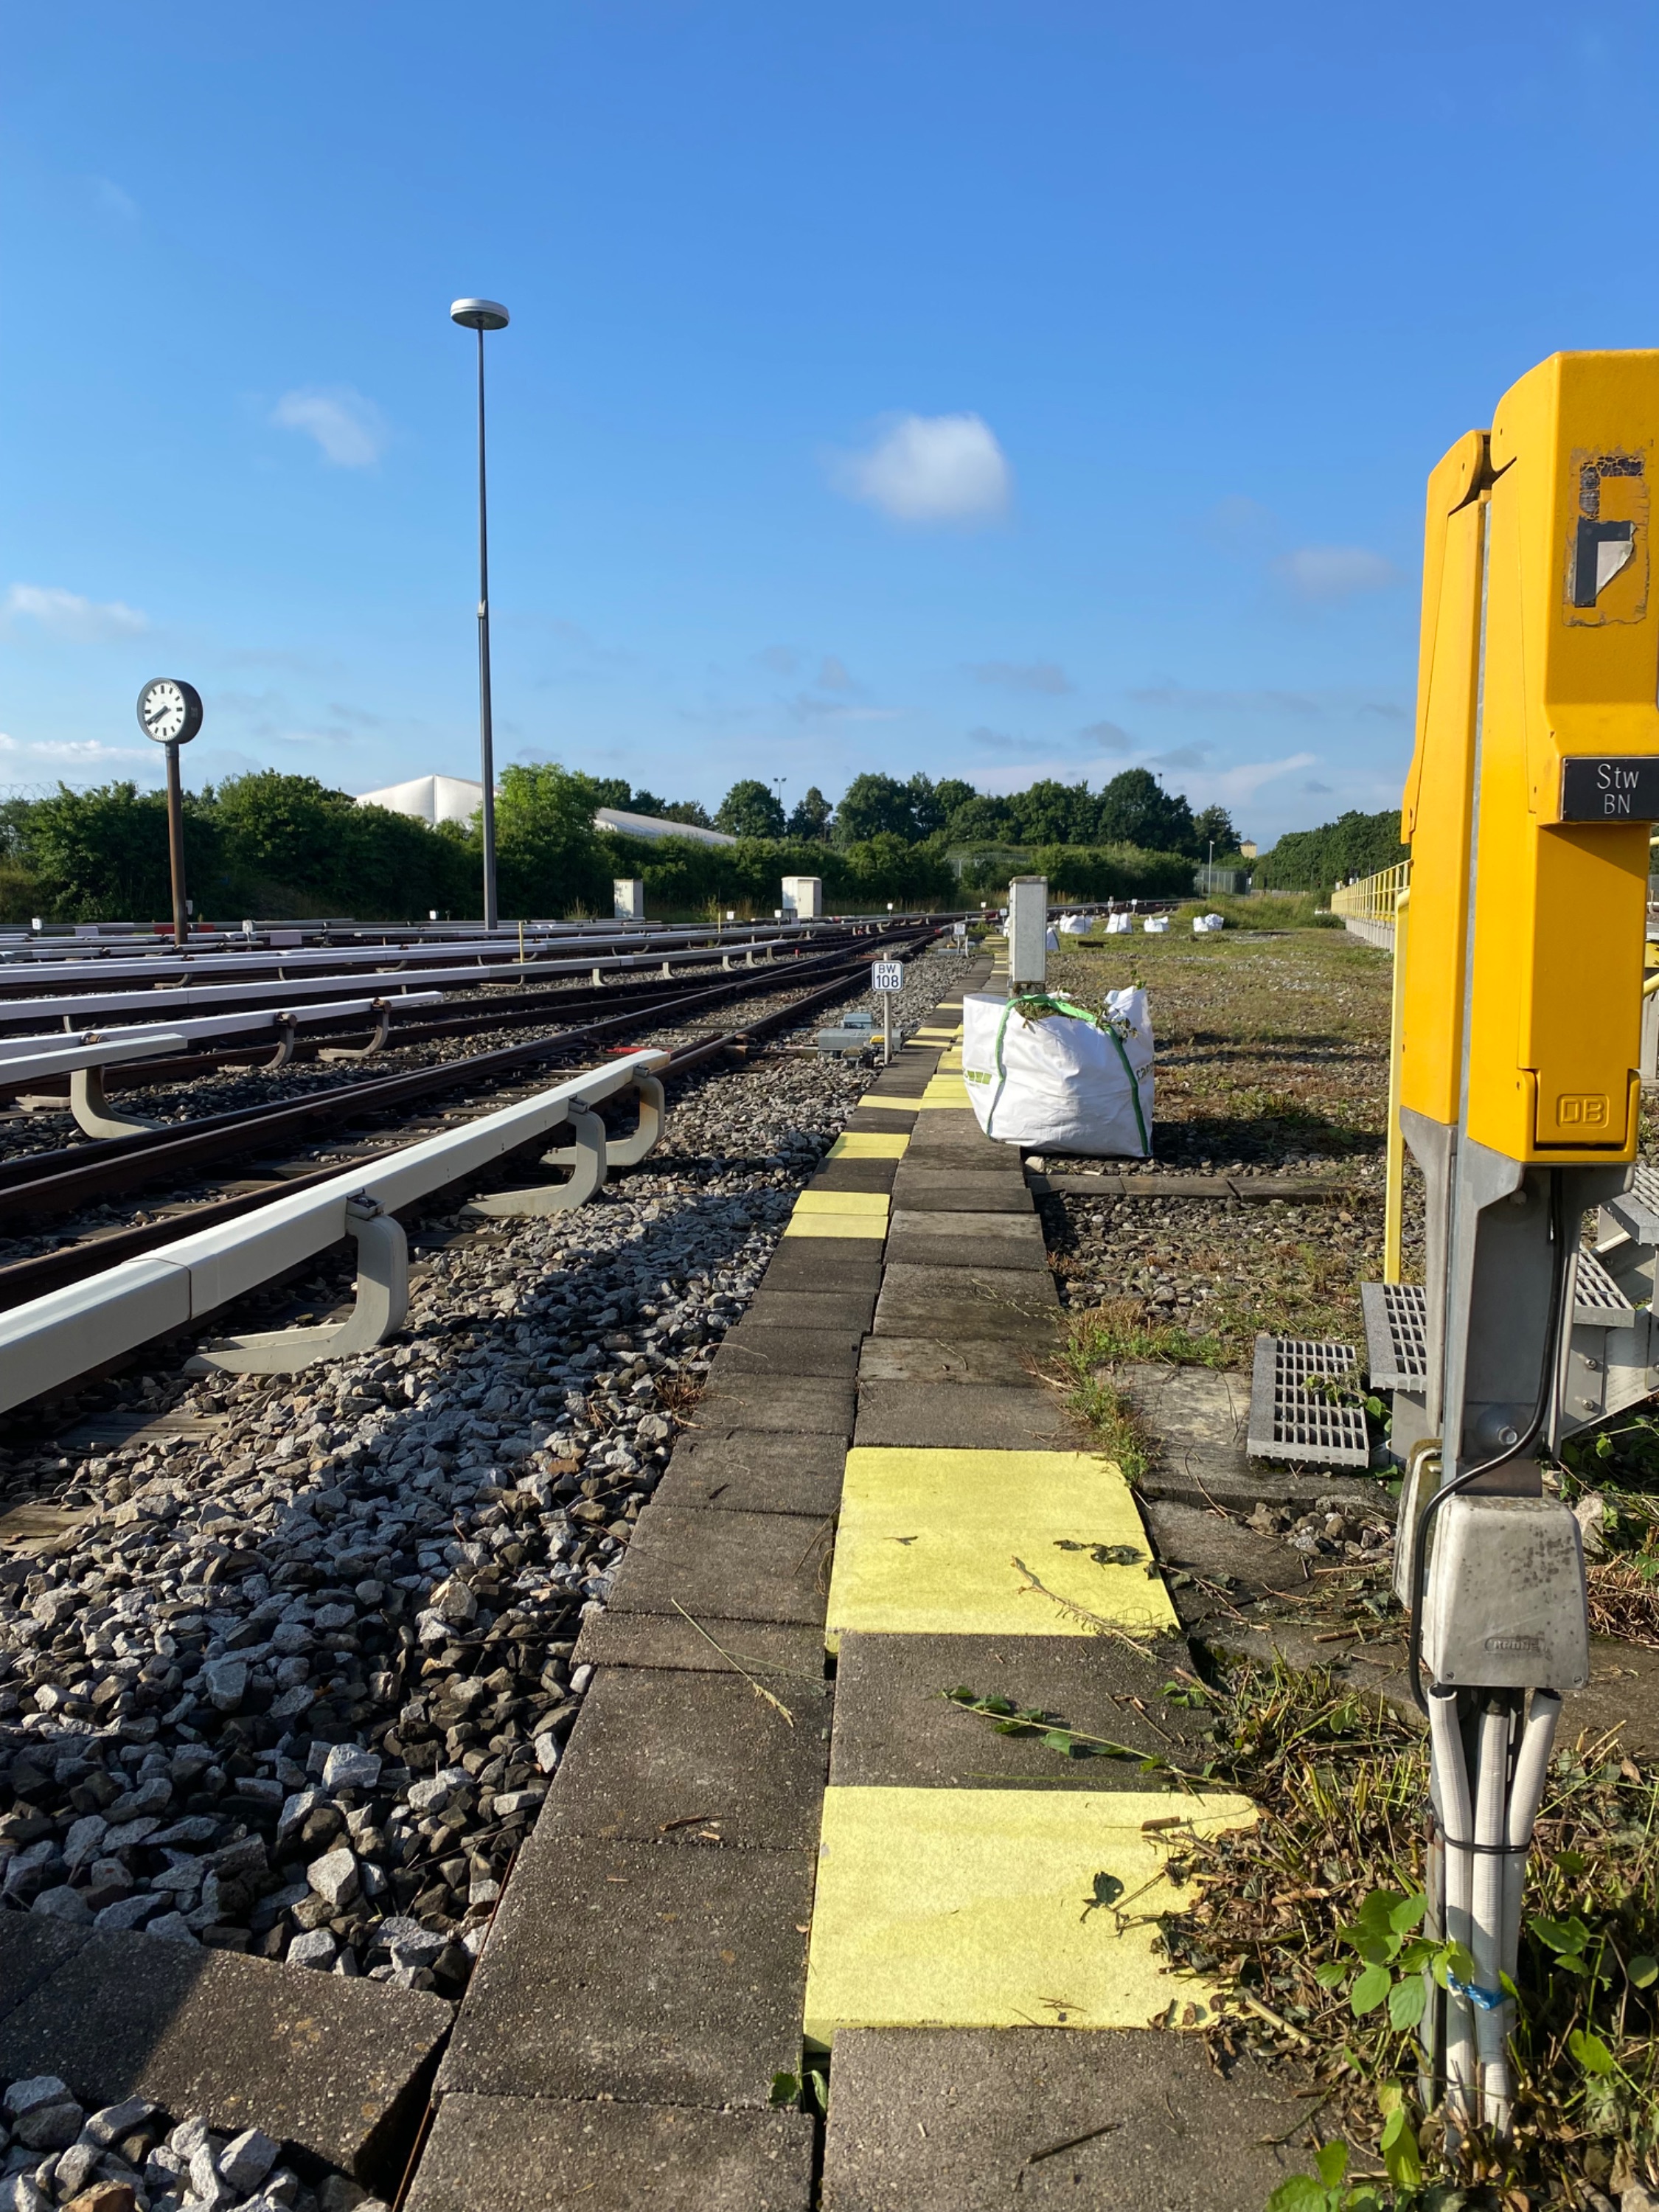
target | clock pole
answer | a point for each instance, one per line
(481, 315)
(176, 843)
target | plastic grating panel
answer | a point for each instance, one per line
(1597, 1300)
(1638, 1209)
(1303, 1405)
(1396, 1334)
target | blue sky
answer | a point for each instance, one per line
(996, 390)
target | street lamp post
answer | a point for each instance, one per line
(481, 315)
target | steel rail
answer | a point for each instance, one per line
(43, 1184)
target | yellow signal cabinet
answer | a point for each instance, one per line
(1538, 747)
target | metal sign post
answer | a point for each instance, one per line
(887, 976)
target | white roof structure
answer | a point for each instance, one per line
(654, 825)
(434, 799)
(430, 798)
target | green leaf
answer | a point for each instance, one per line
(1563, 1937)
(1406, 2000)
(996, 1705)
(960, 1696)
(1571, 1862)
(1643, 1971)
(1300, 2193)
(785, 2089)
(1399, 2152)
(1061, 1739)
(1332, 2159)
(1591, 2052)
(1331, 1975)
(1407, 1912)
(817, 2092)
(1369, 1990)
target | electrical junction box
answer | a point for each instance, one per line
(803, 898)
(628, 898)
(1503, 1609)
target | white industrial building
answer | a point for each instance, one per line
(434, 799)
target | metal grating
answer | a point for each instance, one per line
(1304, 1403)
(1597, 1300)
(1396, 1334)
(1637, 1211)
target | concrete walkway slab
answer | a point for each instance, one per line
(855, 1174)
(725, 1566)
(339, 2069)
(32, 1949)
(946, 1542)
(884, 1117)
(529, 2154)
(992, 1908)
(633, 1971)
(813, 1405)
(709, 1484)
(765, 1648)
(826, 1354)
(941, 1360)
(867, 1228)
(896, 1728)
(967, 1417)
(852, 1311)
(1108, 2123)
(814, 1201)
(941, 1239)
(694, 1761)
(824, 1263)
(924, 1189)
(862, 1146)
(1017, 1303)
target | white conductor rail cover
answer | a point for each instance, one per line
(25, 1059)
(86, 1005)
(51, 1339)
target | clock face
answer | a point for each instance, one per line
(170, 710)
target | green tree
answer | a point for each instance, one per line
(978, 819)
(873, 806)
(811, 815)
(751, 809)
(1051, 812)
(102, 854)
(1213, 824)
(1355, 844)
(548, 856)
(1135, 808)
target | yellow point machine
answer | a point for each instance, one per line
(1532, 791)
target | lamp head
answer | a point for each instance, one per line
(479, 314)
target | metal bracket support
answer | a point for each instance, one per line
(382, 1030)
(587, 1175)
(287, 1029)
(628, 1151)
(93, 1112)
(382, 1303)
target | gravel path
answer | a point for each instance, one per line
(297, 1686)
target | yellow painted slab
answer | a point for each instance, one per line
(837, 1225)
(929, 1539)
(944, 1090)
(888, 1105)
(869, 1144)
(841, 1201)
(977, 1908)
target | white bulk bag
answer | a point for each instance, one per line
(1156, 925)
(1040, 1071)
(1075, 925)
(1203, 923)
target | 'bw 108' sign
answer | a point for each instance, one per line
(887, 976)
(1624, 790)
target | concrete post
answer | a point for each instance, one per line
(1028, 933)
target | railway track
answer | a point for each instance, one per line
(36, 1186)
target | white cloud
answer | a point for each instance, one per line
(1023, 676)
(1334, 571)
(931, 468)
(832, 674)
(1237, 787)
(350, 430)
(1107, 738)
(73, 759)
(66, 614)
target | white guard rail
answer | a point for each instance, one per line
(51, 1339)
(84, 1006)
(23, 1059)
(146, 969)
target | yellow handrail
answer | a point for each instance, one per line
(1373, 898)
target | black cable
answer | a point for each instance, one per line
(1523, 1442)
